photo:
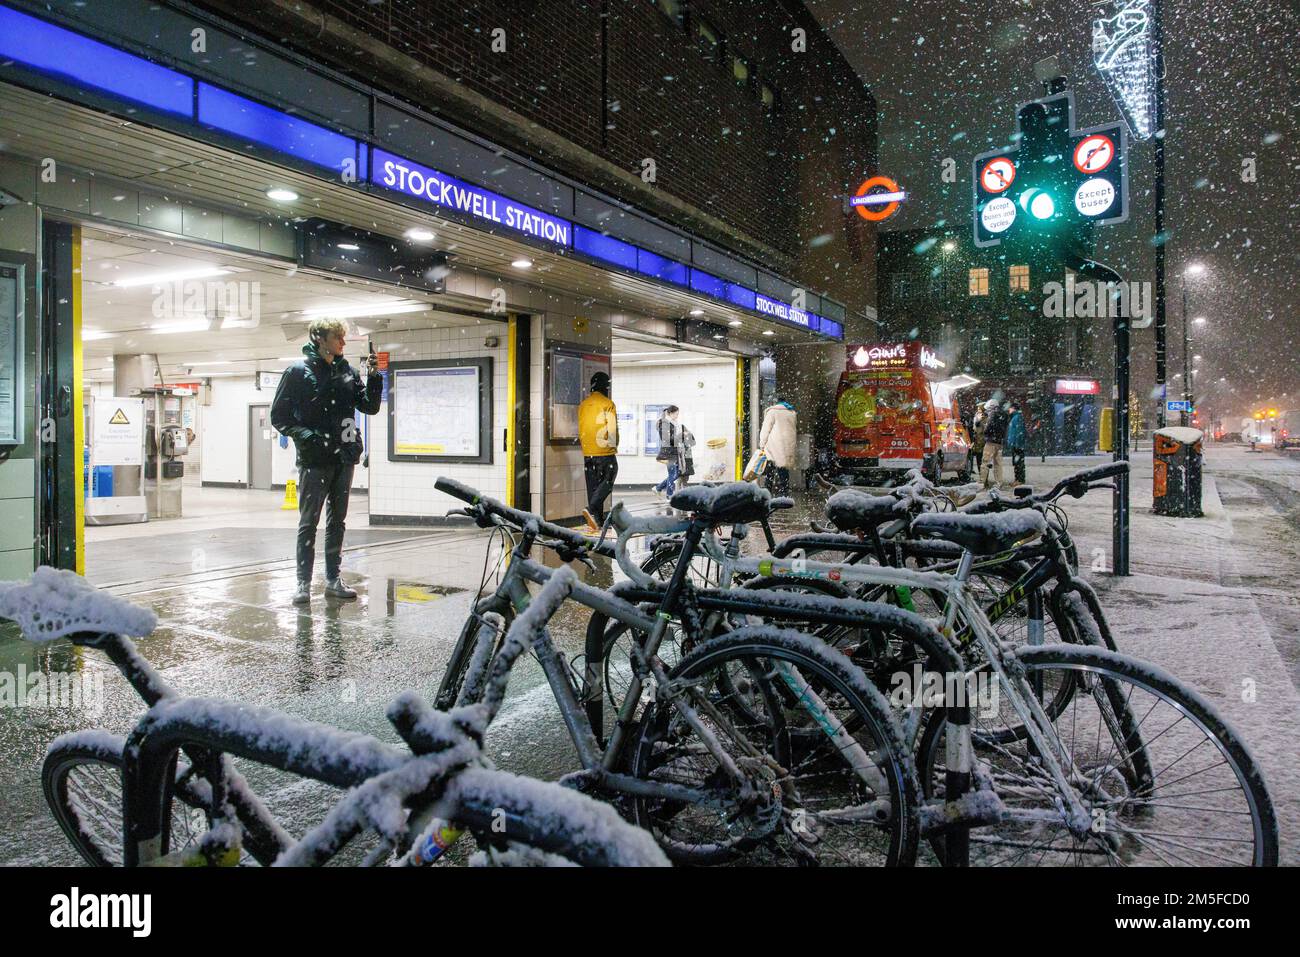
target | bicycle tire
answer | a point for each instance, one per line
(1113, 671)
(100, 843)
(751, 649)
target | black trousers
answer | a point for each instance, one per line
(324, 485)
(778, 480)
(600, 472)
(1018, 465)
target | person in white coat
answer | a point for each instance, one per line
(777, 438)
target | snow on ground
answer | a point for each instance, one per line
(1189, 605)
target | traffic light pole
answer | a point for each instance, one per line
(1120, 497)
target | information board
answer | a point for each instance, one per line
(568, 382)
(440, 411)
(627, 432)
(652, 414)
(11, 353)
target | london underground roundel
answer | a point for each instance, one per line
(998, 174)
(998, 215)
(1094, 153)
(877, 198)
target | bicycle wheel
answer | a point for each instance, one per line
(1161, 778)
(82, 782)
(779, 703)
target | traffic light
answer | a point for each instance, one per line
(1054, 179)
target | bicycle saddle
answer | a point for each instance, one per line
(729, 504)
(981, 534)
(55, 604)
(851, 510)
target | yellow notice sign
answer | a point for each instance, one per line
(119, 418)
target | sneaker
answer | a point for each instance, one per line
(303, 595)
(593, 526)
(336, 589)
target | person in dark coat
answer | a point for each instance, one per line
(316, 405)
(995, 434)
(1016, 441)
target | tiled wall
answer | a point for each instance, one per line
(706, 395)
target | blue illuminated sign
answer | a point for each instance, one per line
(250, 120)
(403, 176)
(607, 248)
(783, 312)
(87, 62)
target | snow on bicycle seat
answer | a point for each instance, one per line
(981, 534)
(55, 604)
(852, 510)
(729, 504)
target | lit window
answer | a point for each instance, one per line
(769, 98)
(979, 282)
(740, 69)
(1020, 278)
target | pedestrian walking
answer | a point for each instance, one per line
(1016, 441)
(995, 436)
(598, 435)
(686, 464)
(777, 437)
(670, 453)
(976, 453)
(315, 405)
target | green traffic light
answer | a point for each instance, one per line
(1038, 203)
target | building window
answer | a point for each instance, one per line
(740, 69)
(1020, 278)
(1018, 347)
(979, 282)
(672, 9)
(981, 347)
(768, 97)
(709, 39)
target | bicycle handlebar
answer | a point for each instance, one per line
(486, 506)
(627, 526)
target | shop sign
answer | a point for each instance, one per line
(1077, 387)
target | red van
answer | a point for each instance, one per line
(896, 410)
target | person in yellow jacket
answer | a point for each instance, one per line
(598, 432)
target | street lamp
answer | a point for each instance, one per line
(1192, 269)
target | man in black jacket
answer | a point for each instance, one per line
(995, 435)
(315, 405)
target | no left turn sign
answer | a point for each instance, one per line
(997, 174)
(1094, 153)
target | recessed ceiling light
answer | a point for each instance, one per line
(177, 275)
(734, 322)
(768, 332)
(522, 263)
(697, 312)
(350, 247)
(90, 335)
(417, 235)
(281, 195)
(719, 337)
(189, 325)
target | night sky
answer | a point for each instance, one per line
(948, 76)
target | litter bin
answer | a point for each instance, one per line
(1177, 477)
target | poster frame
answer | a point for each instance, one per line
(570, 350)
(12, 430)
(484, 366)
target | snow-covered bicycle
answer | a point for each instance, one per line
(169, 793)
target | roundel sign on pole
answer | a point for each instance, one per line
(1094, 153)
(877, 198)
(998, 174)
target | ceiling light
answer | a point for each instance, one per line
(281, 195)
(417, 235)
(90, 335)
(189, 325)
(768, 332)
(719, 336)
(697, 312)
(378, 309)
(734, 323)
(158, 278)
(522, 263)
(350, 247)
